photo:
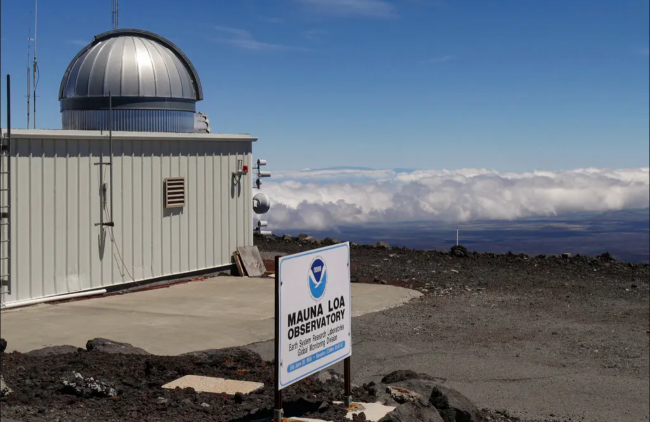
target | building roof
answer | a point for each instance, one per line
(130, 63)
(97, 134)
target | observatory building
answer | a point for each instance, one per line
(133, 187)
(151, 84)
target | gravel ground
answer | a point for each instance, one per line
(40, 395)
(547, 338)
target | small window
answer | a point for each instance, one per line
(174, 192)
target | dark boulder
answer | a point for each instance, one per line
(423, 385)
(453, 406)
(382, 245)
(414, 411)
(459, 251)
(54, 351)
(235, 354)
(110, 346)
(313, 240)
(3, 345)
(330, 241)
(606, 257)
(402, 395)
(400, 375)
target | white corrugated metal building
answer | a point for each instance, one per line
(56, 203)
(178, 203)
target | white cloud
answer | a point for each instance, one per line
(79, 42)
(351, 8)
(324, 199)
(242, 38)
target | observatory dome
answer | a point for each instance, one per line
(151, 84)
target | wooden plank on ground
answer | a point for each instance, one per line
(252, 260)
(238, 263)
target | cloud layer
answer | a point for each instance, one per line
(326, 199)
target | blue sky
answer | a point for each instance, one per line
(509, 85)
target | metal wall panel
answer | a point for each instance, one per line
(130, 120)
(56, 200)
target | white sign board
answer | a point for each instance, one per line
(314, 311)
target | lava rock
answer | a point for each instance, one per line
(287, 238)
(79, 386)
(313, 240)
(235, 354)
(566, 255)
(54, 351)
(382, 245)
(414, 411)
(453, 406)
(402, 395)
(110, 346)
(329, 241)
(302, 237)
(239, 398)
(606, 257)
(3, 345)
(400, 375)
(459, 251)
(4, 389)
(423, 385)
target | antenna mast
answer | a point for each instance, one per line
(35, 65)
(115, 12)
(29, 39)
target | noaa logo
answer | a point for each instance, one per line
(317, 278)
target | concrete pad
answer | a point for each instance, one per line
(373, 411)
(214, 385)
(211, 314)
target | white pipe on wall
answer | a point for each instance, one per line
(53, 298)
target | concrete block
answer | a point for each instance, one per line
(214, 385)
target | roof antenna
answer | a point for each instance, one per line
(29, 95)
(115, 12)
(35, 65)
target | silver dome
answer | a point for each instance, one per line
(147, 77)
(131, 63)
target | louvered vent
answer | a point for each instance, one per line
(174, 192)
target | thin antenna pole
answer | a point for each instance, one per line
(456, 236)
(35, 62)
(115, 13)
(29, 39)
(110, 146)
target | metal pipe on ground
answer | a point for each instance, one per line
(53, 298)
